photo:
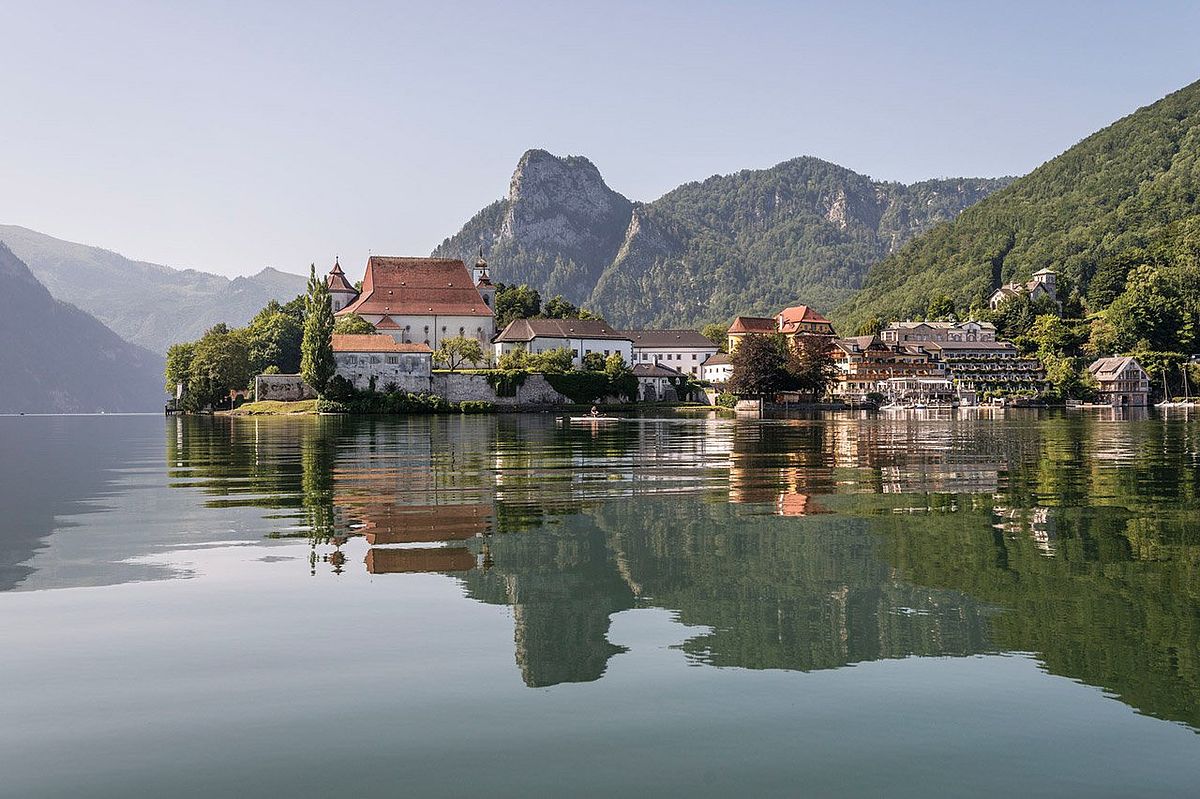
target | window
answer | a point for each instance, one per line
(606, 353)
(462, 331)
(393, 359)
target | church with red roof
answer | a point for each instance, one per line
(419, 300)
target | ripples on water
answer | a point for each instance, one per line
(789, 544)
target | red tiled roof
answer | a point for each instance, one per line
(790, 319)
(387, 323)
(336, 281)
(529, 329)
(752, 324)
(668, 338)
(418, 287)
(373, 342)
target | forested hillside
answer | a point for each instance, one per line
(1117, 201)
(803, 231)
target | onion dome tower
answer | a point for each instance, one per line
(487, 289)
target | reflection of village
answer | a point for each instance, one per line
(788, 544)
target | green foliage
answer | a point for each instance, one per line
(584, 388)
(810, 365)
(476, 406)
(940, 309)
(456, 351)
(352, 324)
(316, 350)
(1093, 214)
(593, 362)
(331, 406)
(553, 361)
(220, 363)
(615, 367)
(274, 336)
(760, 366)
(718, 334)
(506, 382)
(516, 302)
(179, 364)
(727, 400)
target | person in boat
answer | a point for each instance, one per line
(595, 412)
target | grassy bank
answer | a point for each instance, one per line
(276, 408)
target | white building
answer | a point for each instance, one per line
(657, 382)
(920, 333)
(421, 300)
(718, 369)
(684, 350)
(581, 336)
(1044, 284)
(392, 364)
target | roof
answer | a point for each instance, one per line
(717, 359)
(668, 338)
(418, 287)
(909, 325)
(1104, 367)
(860, 343)
(969, 345)
(373, 342)
(655, 370)
(1045, 271)
(752, 324)
(336, 280)
(529, 329)
(387, 323)
(800, 313)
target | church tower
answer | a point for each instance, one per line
(484, 283)
(341, 292)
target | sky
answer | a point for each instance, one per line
(232, 136)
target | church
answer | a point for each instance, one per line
(419, 300)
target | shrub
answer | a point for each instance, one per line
(726, 400)
(331, 406)
(476, 406)
(506, 382)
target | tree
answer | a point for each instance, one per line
(316, 350)
(615, 367)
(718, 334)
(871, 326)
(220, 362)
(458, 350)
(557, 307)
(179, 364)
(516, 302)
(352, 324)
(514, 360)
(274, 339)
(940, 308)
(555, 361)
(759, 365)
(593, 362)
(811, 366)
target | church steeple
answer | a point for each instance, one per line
(483, 282)
(341, 292)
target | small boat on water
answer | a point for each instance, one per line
(592, 419)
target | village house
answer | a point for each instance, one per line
(799, 320)
(580, 336)
(657, 382)
(718, 369)
(970, 355)
(1121, 382)
(419, 300)
(379, 361)
(684, 350)
(865, 362)
(923, 332)
(1044, 284)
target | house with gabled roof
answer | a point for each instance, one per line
(580, 336)
(419, 300)
(798, 320)
(1044, 284)
(1121, 382)
(684, 350)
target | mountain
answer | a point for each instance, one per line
(148, 304)
(803, 231)
(56, 358)
(1092, 214)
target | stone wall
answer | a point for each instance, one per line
(458, 387)
(283, 388)
(407, 371)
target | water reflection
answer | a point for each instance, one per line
(787, 544)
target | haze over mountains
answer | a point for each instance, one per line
(148, 304)
(802, 231)
(58, 359)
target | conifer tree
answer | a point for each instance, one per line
(316, 351)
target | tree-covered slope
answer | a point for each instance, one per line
(1089, 213)
(56, 358)
(151, 305)
(802, 231)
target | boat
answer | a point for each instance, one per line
(587, 419)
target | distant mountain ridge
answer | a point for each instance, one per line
(802, 231)
(58, 359)
(1092, 214)
(148, 304)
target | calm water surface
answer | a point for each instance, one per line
(979, 605)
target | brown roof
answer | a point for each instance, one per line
(418, 287)
(336, 281)
(1106, 367)
(373, 342)
(529, 329)
(752, 324)
(790, 318)
(668, 338)
(386, 560)
(654, 370)
(387, 323)
(717, 359)
(860, 343)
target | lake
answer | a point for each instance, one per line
(984, 603)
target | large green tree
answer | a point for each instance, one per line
(811, 366)
(516, 302)
(316, 351)
(353, 324)
(456, 351)
(220, 363)
(760, 366)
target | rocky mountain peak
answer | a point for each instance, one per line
(561, 201)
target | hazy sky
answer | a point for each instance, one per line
(232, 136)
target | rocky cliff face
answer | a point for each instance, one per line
(58, 359)
(803, 231)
